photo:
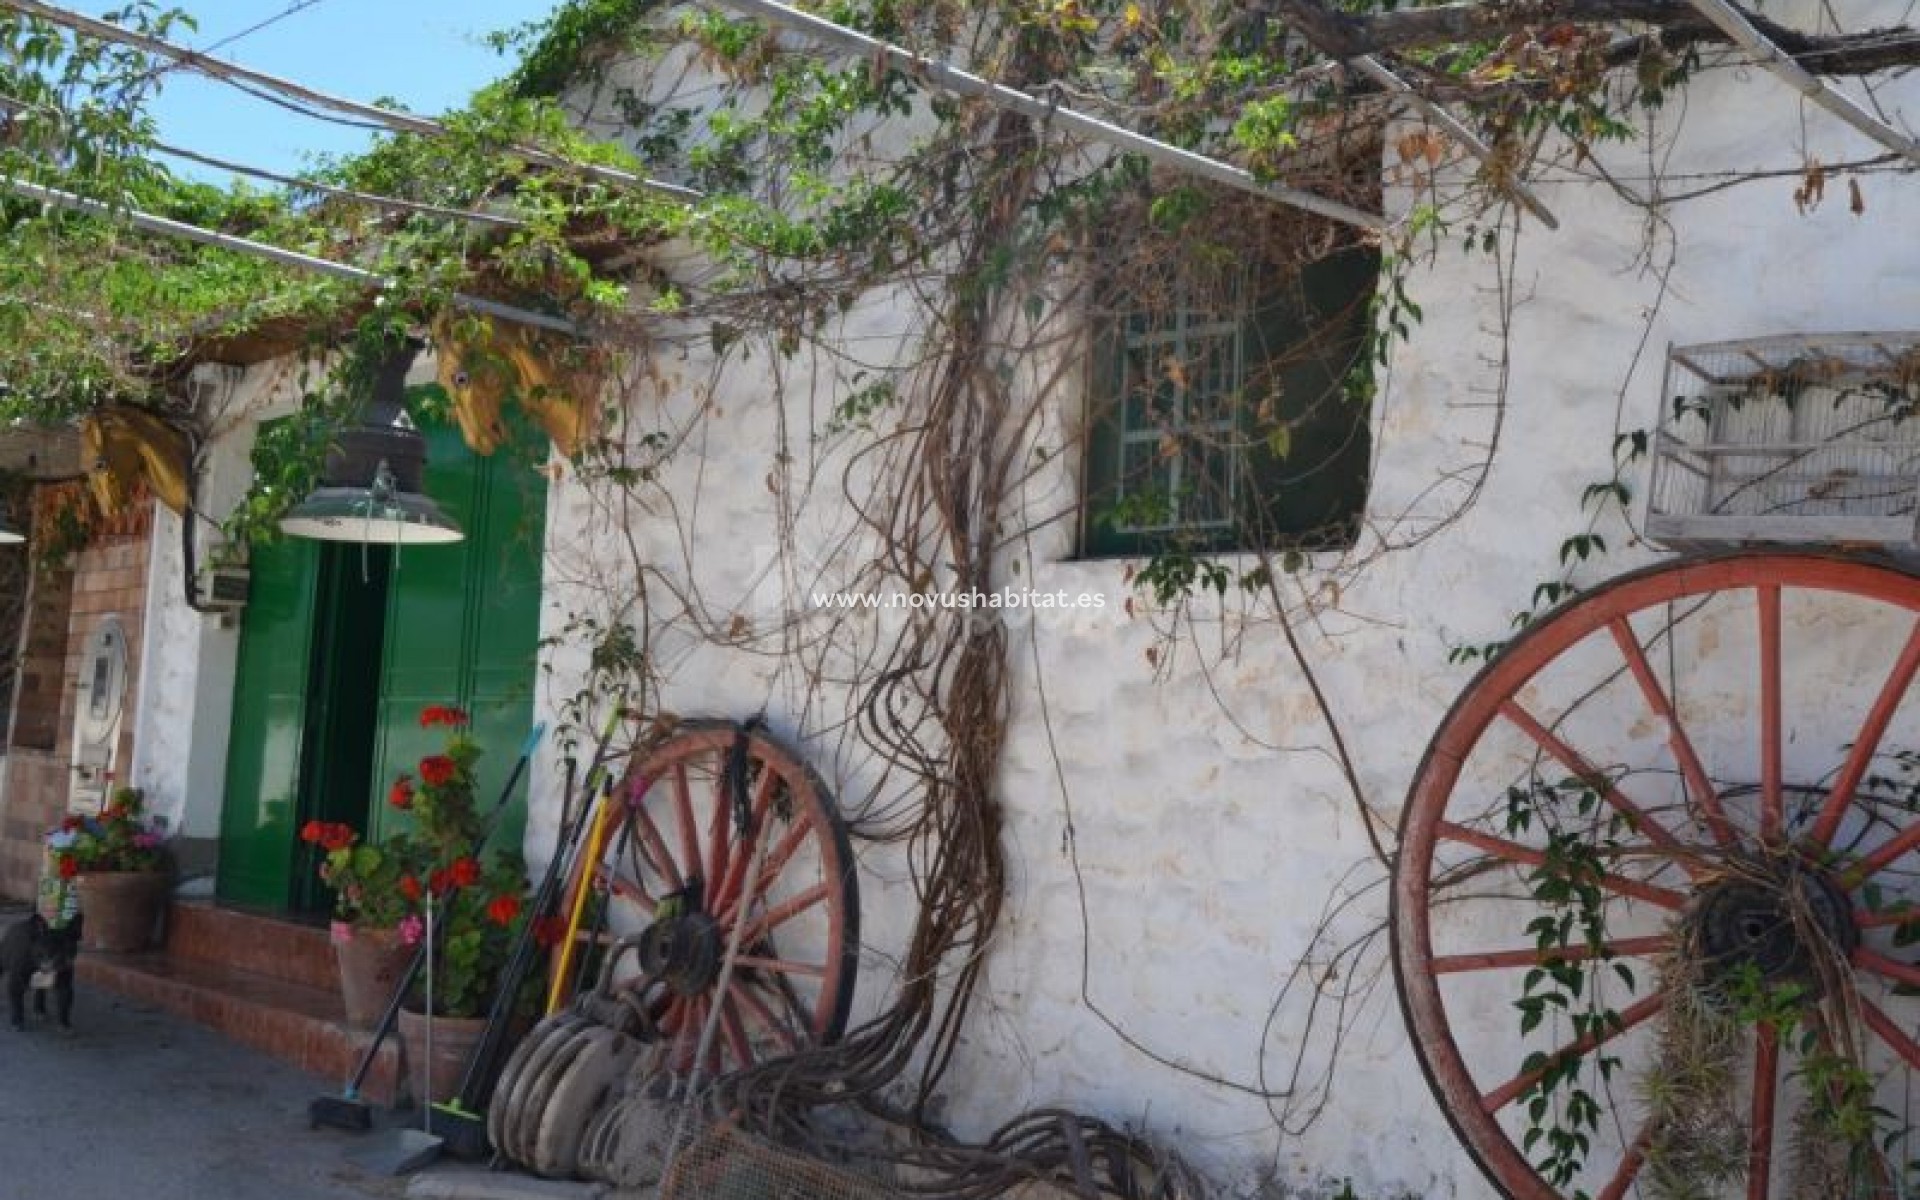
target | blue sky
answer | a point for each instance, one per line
(427, 54)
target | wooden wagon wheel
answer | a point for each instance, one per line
(1657, 882)
(673, 883)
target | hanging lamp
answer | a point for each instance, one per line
(369, 490)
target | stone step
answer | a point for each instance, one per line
(289, 951)
(295, 1022)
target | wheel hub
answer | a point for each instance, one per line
(683, 951)
(1750, 921)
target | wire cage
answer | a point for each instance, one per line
(724, 1162)
(1803, 438)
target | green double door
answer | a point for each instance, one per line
(344, 644)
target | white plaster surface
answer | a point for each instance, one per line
(1142, 968)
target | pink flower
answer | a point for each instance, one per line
(412, 929)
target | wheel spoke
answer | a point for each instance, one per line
(1629, 1168)
(784, 966)
(776, 860)
(621, 884)
(1526, 856)
(728, 889)
(1533, 956)
(654, 845)
(765, 1017)
(689, 825)
(1641, 821)
(1699, 787)
(1880, 964)
(1766, 1080)
(1767, 596)
(1882, 858)
(1505, 1094)
(764, 923)
(719, 832)
(1896, 1038)
(735, 1031)
(1867, 742)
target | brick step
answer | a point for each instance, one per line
(294, 1022)
(197, 931)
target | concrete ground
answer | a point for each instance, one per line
(136, 1102)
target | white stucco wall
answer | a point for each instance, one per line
(1212, 830)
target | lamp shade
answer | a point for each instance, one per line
(369, 490)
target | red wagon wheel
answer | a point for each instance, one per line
(678, 877)
(1657, 885)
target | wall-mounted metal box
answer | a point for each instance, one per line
(1798, 438)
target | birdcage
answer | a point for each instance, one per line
(1798, 438)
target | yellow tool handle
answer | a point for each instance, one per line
(583, 883)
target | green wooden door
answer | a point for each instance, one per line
(268, 736)
(463, 625)
(343, 645)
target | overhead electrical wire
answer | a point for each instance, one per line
(296, 183)
(236, 75)
(154, 223)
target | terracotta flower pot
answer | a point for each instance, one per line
(372, 964)
(454, 1039)
(124, 910)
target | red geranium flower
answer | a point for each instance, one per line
(436, 770)
(465, 872)
(410, 887)
(439, 881)
(69, 866)
(336, 837)
(441, 714)
(400, 795)
(312, 831)
(547, 931)
(504, 909)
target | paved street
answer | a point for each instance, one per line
(136, 1102)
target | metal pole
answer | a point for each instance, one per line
(153, 223)
(954, 79)
(1378, 71)
(1730, 21)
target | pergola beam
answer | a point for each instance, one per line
(1741, 32)
(168, 227)
(953, 79)
(1378, 71)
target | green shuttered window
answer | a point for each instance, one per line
(1225, 410)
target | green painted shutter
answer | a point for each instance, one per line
(1307, 335)
(463, 624)
(257, 820)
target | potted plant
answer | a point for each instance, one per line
(478, 904)
(370, 902)
(117, 864)
(478, 899)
